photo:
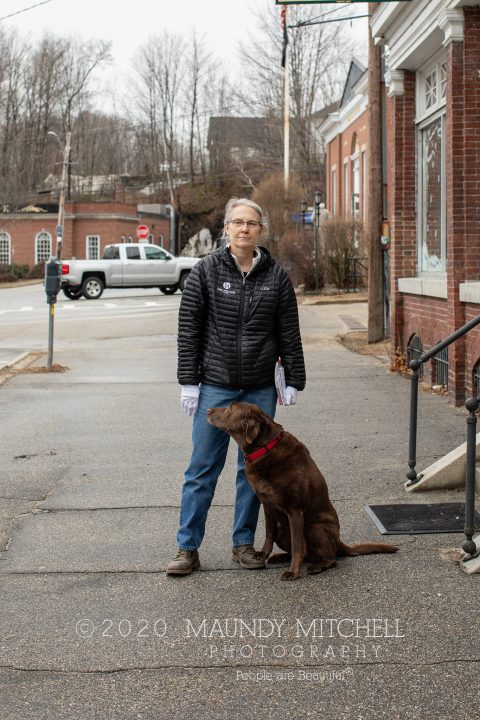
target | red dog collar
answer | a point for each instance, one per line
(264, 449)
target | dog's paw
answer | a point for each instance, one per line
(259, 555)
(316, 569)
(289, 575)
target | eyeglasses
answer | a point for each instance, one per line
(251, 224)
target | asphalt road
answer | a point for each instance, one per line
(91, 463)
(24, 316)
(134, 312)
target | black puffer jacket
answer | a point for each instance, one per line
(232, 329)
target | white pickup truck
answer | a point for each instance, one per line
(125, 265)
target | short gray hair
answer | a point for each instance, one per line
(235, 202)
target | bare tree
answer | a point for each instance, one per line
(159, 76)
(41, 80)
(202, 72)
(79, 60)
(12, 54)
(43, 86)
(318, 56)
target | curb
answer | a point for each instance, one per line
(21, 361)
(11, 363)
(331, 300)
(20, 283)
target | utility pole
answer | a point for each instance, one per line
(316, 230)
(286, 105)
(61, 204)
(375, 190)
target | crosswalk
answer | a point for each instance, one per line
(94, 307)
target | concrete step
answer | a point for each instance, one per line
(448, 472)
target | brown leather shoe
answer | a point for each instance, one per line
(247, 557)
(184, 563)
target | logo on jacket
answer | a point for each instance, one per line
(225, 289)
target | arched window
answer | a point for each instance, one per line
(5, 248)
(476, 378)
(430, 118)
(43, 246)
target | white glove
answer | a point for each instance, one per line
(290, 397)
(189, 398)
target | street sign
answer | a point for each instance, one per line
(322, 2)
(305, 218)
(143, 231)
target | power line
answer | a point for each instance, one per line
(311, 20)
(306, 23)
(19, 12)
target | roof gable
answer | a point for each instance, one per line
(355, 72)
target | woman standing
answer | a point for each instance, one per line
(238, 314)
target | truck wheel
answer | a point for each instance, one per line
(183, 280)
(92, 288)
(72, 293)
(168, 289)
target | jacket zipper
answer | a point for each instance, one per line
(240, 323)
(239, 333)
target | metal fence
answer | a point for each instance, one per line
(440, 367)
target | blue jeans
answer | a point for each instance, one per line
(210, 445)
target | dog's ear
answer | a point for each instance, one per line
(252, 428)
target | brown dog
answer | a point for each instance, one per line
(299, 516)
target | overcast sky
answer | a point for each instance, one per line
(223, 24)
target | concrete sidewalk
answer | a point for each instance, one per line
(91, 627)
(9, 357)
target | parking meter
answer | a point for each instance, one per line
(52, 280)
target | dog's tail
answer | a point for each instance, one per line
(364, 549)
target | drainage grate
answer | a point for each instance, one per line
(419, 519)
(352, 323)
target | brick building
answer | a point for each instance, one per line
(28, 236)
(345, 133)
(433, 85)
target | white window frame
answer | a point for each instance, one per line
(355, 180)
(346, 189)
(426, 116)
(334, 190)
(5, 236)
(87, 247)
(42, 234)
(364, 184)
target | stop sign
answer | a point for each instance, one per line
(143, 231)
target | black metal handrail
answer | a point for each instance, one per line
(472, 404)
(469, 546)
